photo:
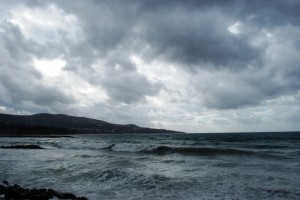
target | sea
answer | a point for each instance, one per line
(151, 167)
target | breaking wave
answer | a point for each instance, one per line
(81, 146)
(198, 151)
(154, 149)
(163, 149)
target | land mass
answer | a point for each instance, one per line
(60, 124)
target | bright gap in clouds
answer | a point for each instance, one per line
(235, 28)
(49, 68)
(46, 25)
(54, 74)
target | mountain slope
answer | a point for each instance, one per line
(41, 124)
(52, 120)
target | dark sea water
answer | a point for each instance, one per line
(186, 166)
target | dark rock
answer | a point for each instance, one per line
(17, 192)
(31, 146)
(5, 182)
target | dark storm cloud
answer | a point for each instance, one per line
(176, 31)
(198, 38)
(275, 12)
(188, 31)
(108, 37)
(123, 83)
(106, 24)
(193, 34)
(188, 34)
(129, 87)
(280, 77)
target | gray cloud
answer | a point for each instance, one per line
(122, 81)
(20, 82)
(108, 27)
(221, 70)
(271, 13)
(197, 38)
(129, 87)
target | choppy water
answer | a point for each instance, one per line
(186, 166)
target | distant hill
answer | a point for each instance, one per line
(60, 124)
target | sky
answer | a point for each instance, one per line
(193, 66)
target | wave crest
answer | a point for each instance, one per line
(199, 151)
(154, 149)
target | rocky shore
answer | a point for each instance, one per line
(16, 192)
(30, 146)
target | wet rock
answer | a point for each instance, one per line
(5, 182)
(31, 146)
(16, 192)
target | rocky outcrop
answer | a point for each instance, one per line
(31, 146)
(16, 192)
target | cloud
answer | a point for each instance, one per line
(20, 82)
(209, 65)
(44, 25)
(198, 39)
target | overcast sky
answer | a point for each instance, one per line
(194, 66)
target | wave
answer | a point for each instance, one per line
(82, 146)
(199, 151)
(132, 147)
(279, 193)
(266, 146)
(158, 149)
(164, 149)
